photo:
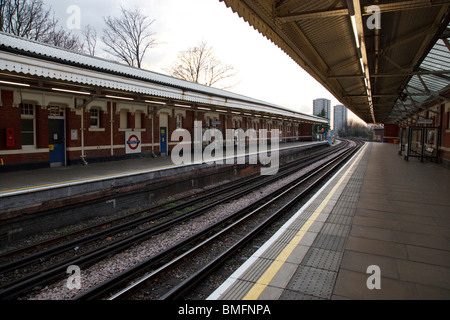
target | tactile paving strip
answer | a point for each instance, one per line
(317, 283)
(332, 237)
(317, 273)
(323, 258)
(310, 271)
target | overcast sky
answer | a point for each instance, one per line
(264, 71)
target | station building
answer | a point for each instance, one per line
(62, 108)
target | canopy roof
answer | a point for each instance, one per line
(382, 72)
(46, 67)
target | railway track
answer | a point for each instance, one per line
(209, 238)
(27, 253)
(58, 269)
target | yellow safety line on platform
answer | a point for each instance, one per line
(276, 265)
(119, 174)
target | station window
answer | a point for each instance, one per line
(95, 118)
(27, 124)
(138, 120)
(123, 119)
(55, 112)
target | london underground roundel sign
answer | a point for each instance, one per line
(133, 142)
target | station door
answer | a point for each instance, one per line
(56, 142)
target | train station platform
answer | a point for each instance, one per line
(379, 229)
(33, 202)
(36, 201)
(26, 181)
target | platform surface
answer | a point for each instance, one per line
(380, 229)
(29, 180)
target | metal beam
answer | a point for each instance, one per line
(387, 75)
(344, 66)
(312, 15)
(447, 43)
(404, 39)
(407, 5)
(440, 74)
(409, 94)
(348, 76)
(360, 30)
(416, 73)
(423, 84)
(373, 96)
(387, 7)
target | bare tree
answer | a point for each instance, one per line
(61, 38)
(90, 37)
(199, 64)
(26, 18)
(30, 19)
(356, 128)
(128, 37)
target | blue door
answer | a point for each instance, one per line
(56, 142)
(163, 139)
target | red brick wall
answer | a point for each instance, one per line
(445, 131)
(305, 130)
(10, 118)
(94, 138)
(188, 122)
(98, 143)
(146, 136)
(391, 130)
(73, 122)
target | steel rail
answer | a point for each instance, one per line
(12, 290)
(110, 284)
(45, 254)
(179, 290)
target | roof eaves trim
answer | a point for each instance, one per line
(34, 58)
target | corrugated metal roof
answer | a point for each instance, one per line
(319, 36)
(423, 88)
(141, 81)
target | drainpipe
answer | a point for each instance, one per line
(153, 131)
(111, 121)
(82, 107)
(82, 137)
(83, 156)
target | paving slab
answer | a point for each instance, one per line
(388, 225)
